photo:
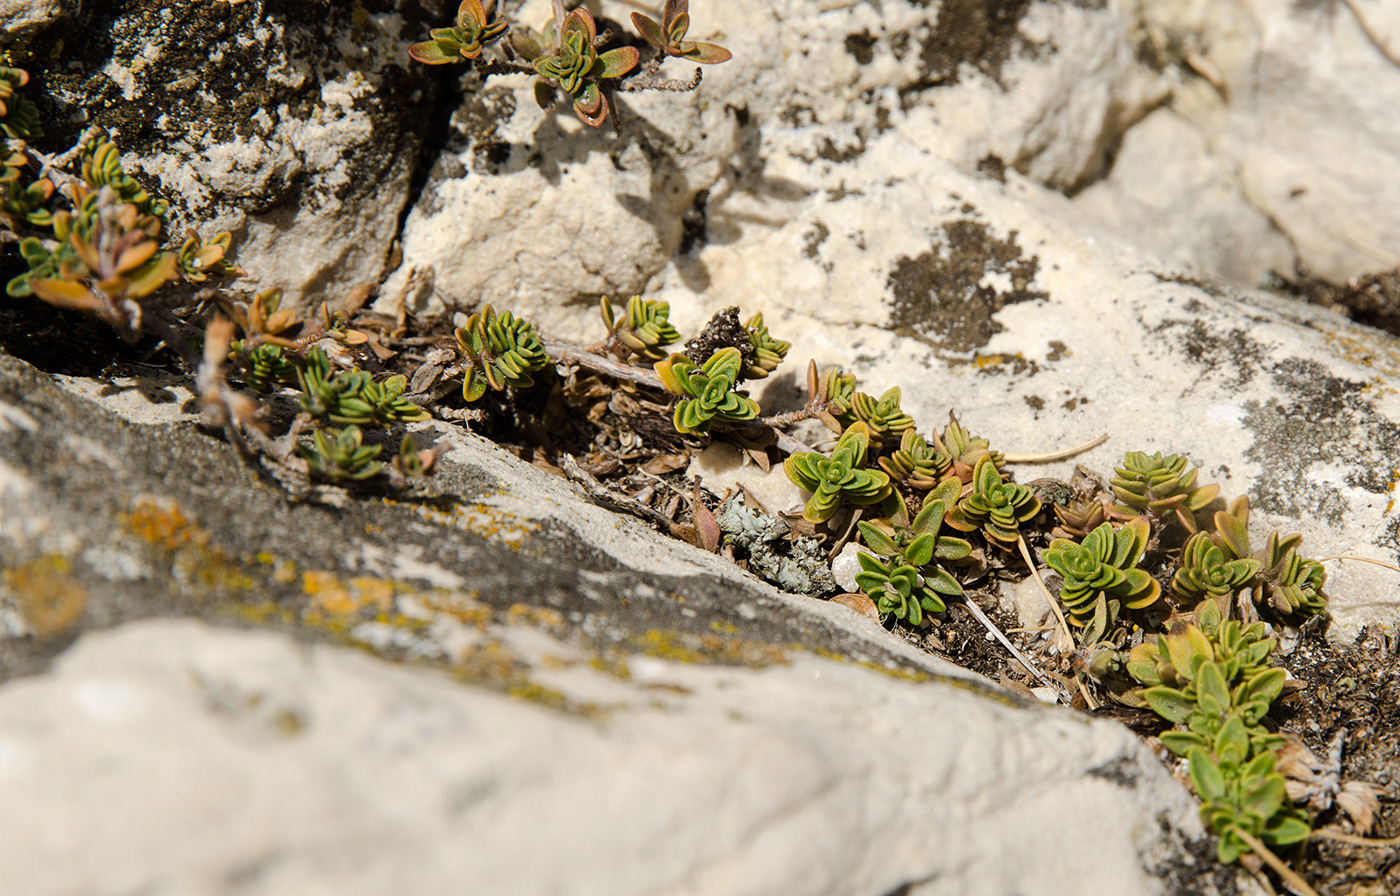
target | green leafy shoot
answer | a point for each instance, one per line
(643, 329)
(337, 454)
(578, 69)
(669, 36)
(707, 392)
(995, 507)
(1100, 574)
(465, 39)
(768, 352)
(501, 350)
(840, 477)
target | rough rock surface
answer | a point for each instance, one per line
(294, 125)
(725, 737)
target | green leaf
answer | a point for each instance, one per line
(649, 29)
(616, 63)
(1206, 776)
(877, 540)
(705, 53)
(1169, 703)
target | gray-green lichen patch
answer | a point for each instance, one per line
(949, 296)
(1321, 422)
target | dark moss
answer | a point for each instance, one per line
(982, 34)
(861, 46)
(813, 240)
(941, 296)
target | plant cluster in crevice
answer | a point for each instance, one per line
(1166, 605)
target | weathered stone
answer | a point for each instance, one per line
(295, 125)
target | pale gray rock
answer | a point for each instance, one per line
(194, 760)
(18, 17)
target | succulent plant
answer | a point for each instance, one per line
(469, 34)
(964, 449)
(1208, 570)
(503, 350)
(199, 260)
(263, 316)
(101, 167)
(768, 352)
(830, 396)
(107, 259)
(1289, 584)
(267, 365)
(1161, 487)
(916, 463)
(28, 204)
(412, 463)
(19, 118)
(352, 396)
(883, 415)
(337, 454)
(577, 68)
(644, 329)
(707, 393)
(1100, 573)
(1243, 794)
(903, 589)
(900, 574)
(996, 507)
(842, 476)
(669, 35)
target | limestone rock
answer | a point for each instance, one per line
(294, 125)
(194, 759)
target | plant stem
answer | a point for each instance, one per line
(1021, 658)
(1054, 455)
(1089, 700)
(1289, 876)
(1353, 839)
(1361, 559)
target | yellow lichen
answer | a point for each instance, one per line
(46, 595)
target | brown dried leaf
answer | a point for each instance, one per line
(666, 463)
(706, 526)
(860, 604)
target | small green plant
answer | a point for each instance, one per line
(707, 392)
(352, 396)
(964, 449)
(768, 352)
(996, 507)
(1289, 584)
(501, 350)
(469, 34)
(577, 68)
(338, 454)
(669, 35)
(101, 167)
(19, 118)
(840, 477)
(265, 366)
(900, 576)
(1243, 795)
(1209, 571)
(915, 463)
(1161, 487)
(1100, 574)
(200, 260)
(644, 329)
(883, 415)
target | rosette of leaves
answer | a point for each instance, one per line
(1205, 673)
(101, 167)
(643, 328)
(840, 477)
(964, 448)
(1208, 570)
(199, 260)
(263, 317)
(768, 352)
(503, 350)
(267, 365)
(113, 260)
(577, 68)
(338, 454)
(1290, 584)
(1161, 487)
(707, 394)
(916, 463)
(883, 415)
(669, 35)
(996, 507)
(29, 203)
(469, 34)
(901, 574)
(1100, 574)
(352, 397)
(19, 118)
(1243, 794)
